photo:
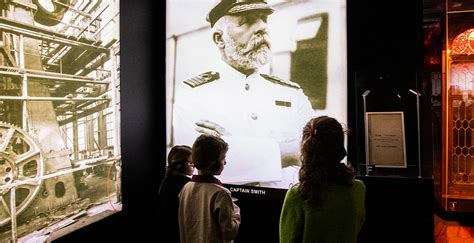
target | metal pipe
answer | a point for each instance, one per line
(22, 52)
(25, 108)
(12, 71)
(83, 164)
(42, 34)
(92, 21)
(49, 78)
(364, 95)
(418, 126)
(445, 96)
(75, 136)
(115, 105)
(24, 88)
(460, 11)
(13, 213)
(34, 98)
(103, 27)
(70, 7)
(66, 78)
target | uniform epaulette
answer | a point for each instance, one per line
(280, 81)
(201, 79)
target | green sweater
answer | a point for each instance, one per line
(338, 220)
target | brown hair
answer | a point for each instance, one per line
(177, 159)
(322, 149)
(207, 149)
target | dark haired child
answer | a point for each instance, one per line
(206, 210)
(178, 170)
(328, 205)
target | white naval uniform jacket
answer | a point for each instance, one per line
(264, 117)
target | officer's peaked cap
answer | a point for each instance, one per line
(226, 7)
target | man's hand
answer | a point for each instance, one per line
(290, 154)
(211, 128)
(289, 160)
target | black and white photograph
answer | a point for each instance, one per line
(60, 155)
(253, 73)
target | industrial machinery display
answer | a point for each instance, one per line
(59, 116)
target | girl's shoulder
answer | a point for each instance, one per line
(358, 182)
(359, 185)
(293, 191)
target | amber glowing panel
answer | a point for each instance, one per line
(463, 44)
(461, 166)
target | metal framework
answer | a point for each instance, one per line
(78, 85)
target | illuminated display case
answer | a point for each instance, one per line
(385, 81)
(60, 153)
(262, 118)
(455, 175)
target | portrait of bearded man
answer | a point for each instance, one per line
(260, 116)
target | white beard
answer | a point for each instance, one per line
(244, 56)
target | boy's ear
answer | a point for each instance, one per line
(214, 166)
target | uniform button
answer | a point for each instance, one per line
(254, 116)
(247, 87)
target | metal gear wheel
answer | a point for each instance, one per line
(21, 167)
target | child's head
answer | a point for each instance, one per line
(323, 142)
(209, 153)
(179, 160)
(322, 149)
